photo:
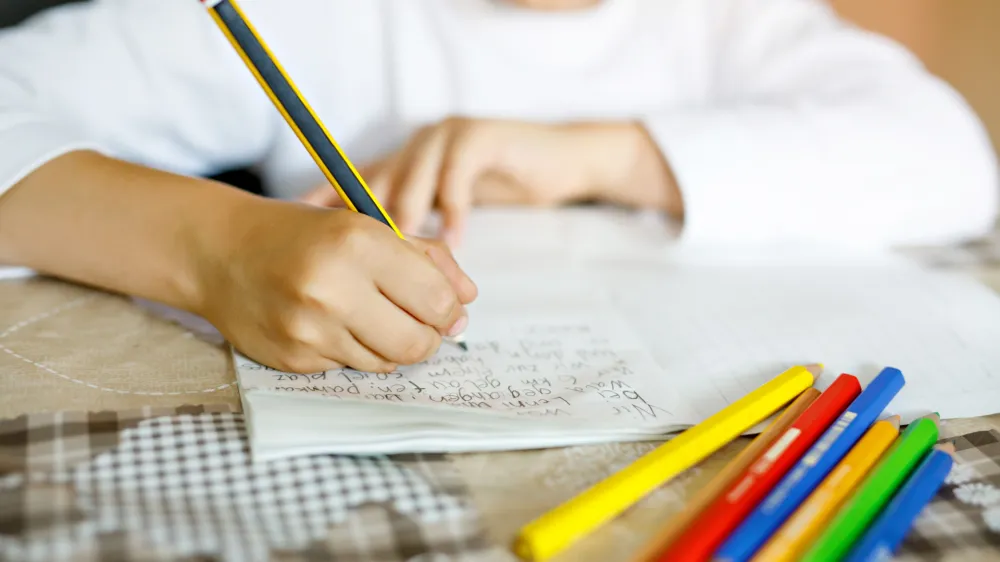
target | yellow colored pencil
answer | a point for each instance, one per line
(707, 494)
(809, 520)
(556, 530)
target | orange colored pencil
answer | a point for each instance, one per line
(809, 520)
(704, 497)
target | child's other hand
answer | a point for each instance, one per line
(305, 290)
(459, 163)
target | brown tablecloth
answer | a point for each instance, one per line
(68, 348)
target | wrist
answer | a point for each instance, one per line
(626, 167)
(219, 225)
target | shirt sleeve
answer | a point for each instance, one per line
(150, 82)
(815, 130)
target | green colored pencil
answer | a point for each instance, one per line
(875, 491)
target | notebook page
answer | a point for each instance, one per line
(555, 354)
(732, 328)
(520, 237)
(717, 333)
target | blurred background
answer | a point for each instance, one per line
(958, 40)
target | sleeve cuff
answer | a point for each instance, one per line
(13, 272)
(724, 162)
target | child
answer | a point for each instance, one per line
(749, 120)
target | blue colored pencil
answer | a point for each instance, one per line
(810, 470)
(885, 535)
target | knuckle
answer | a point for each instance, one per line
(419, 348)
(439, 137)
(371, 365)
(455, 122)
(356, 237)
(452, 203)
(298, 327)
(338, 307)
(436, 245)
(441, 301)
(538, 197)
(298, 363)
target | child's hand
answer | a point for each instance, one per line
(461, 162)
(306, 290)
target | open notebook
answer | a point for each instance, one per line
(614, 350)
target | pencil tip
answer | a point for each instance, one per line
(895, 420)
(458, 341)
(933, 417)
(948, 447)
(816, 369)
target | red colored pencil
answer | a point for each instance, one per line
(709, 530)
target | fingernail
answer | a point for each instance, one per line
(459, 326)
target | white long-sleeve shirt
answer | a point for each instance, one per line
(777, 119)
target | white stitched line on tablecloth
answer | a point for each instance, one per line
(62, 308)
(39, 317)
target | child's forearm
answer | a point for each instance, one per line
(629, 168)
(119, 226)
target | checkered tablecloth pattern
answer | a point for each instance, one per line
(179, 485)
(963, 521)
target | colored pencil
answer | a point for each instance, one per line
(808, 521)
(810, 470)
(296, 111)
(851, 521)
(558, 529)
(883, 538)
(707, 493)
(726, 512)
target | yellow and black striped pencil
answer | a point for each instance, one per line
(332, 161)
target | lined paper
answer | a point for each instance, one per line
(732, 327)
(665, 346)
(564, 358)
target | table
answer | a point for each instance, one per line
(70, 348)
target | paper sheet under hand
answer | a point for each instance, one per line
(566, 362)
(669, 346)
(726, 327)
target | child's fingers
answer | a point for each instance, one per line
(374, 176)
(417, 286)
(378, 176)
(458, 172)
(464, 287)
(391, 333)
(312, 197)
(416, 186)
(302, 360)
(322, 196)
(343, 347)
(499, 189)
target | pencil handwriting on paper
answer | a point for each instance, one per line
(540, 370)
